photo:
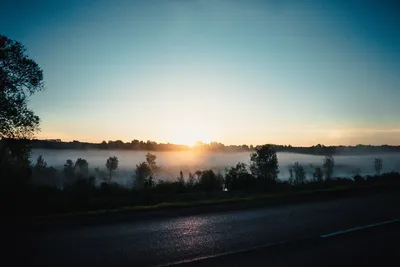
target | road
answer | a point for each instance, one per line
(375, 246)
(164, 241)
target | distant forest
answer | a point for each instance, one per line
(213, 146)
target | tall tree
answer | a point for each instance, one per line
(238, 178)
(151, 161)
(82, 166)
(181, 179)
(329, 164)
(142, 175)
(20, 77)
(145, 171)
(69, 169)
(111, 165)
(291, 175)
(378, 166)
(191, 180)
(318, 174)
(299, 174)
(40, 163)
(264, 164)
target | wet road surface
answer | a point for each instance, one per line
(171, 240)
(375, 246)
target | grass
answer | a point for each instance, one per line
(228, 203)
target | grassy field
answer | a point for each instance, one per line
(166, 209)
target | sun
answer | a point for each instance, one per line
(189, 138)
(189, 135)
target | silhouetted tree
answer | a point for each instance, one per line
(191, 180)
(145, 171)
(180, 183)
(198, 173)
(20, 77)
(238, 178)
(378, 166)
(40, 163)
(358, 178)
(111, 165)
(102, 175)
(69, 169)
(43, 174)
(318, 174)
(299, 174)
(264, 164)
(149, 182)
(291, 175)
(328, 166)
(82, 168)
(209, 181)
(142, 174)
(151, 161)
(181, 179)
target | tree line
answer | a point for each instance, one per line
(260, 174)
(212, 146)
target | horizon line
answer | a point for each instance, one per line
(208, 143)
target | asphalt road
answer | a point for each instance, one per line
(375, 246)
(166, 241)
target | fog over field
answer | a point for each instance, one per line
(188, 161)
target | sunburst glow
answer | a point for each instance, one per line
(189, 134)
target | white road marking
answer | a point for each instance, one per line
(200, 258)
(359, 228)
(177, 263)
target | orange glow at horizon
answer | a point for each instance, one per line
(189, 135)
(192, 132)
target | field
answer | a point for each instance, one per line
(174, 162)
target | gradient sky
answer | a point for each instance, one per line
(285, 72)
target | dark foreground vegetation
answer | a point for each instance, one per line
(257, 183)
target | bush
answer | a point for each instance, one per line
(169, 188)
(81, 191)
(110, 189)
(358, 179)
(238, 178)
(209, 181)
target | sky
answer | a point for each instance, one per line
(232, 71)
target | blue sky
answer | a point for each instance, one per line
(286, 72)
